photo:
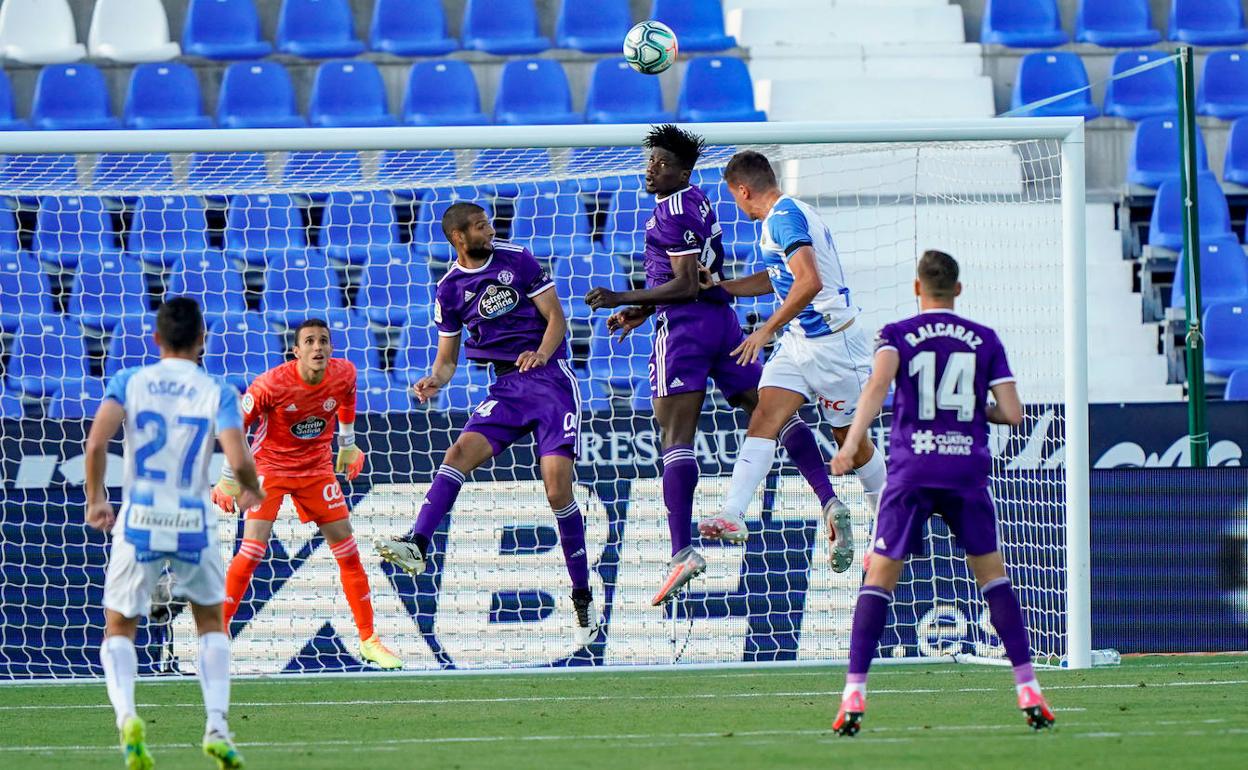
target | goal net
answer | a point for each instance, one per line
(90, 242)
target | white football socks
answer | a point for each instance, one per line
(753, 462)
(121, 668)
(873, 475)
(213, 662)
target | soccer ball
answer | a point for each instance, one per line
(650, 47)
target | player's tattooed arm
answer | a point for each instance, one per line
(682, 288)
(547, 303)
(444, 366)
(883, 372)
(107, 421)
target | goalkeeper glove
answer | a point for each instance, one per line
(350, 461)
(226, 490)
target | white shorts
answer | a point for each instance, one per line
(129, 583)
(832, 370)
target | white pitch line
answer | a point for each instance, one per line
(611, 698)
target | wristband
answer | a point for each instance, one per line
(346, 435)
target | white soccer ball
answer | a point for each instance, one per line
(650, 47)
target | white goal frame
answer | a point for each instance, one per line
(1068, 131)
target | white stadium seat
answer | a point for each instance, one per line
(852, 24)
(131, 31)
(39, 32)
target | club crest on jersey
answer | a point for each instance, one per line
(309, 428)
(497, 301)
(329, 404)
(506, 277)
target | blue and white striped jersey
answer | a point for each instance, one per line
(790, 225)
(174, 410)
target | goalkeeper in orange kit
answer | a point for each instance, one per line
(294, 407)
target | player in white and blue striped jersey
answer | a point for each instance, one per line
(172, 410)
(823, 355)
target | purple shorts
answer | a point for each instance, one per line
(692, 344)
(904, 509)
(542, 401)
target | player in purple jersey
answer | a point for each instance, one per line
(697, 338)
(939, 463)
(507, 302)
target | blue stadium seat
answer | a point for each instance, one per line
(257, 94)
(606, 169)
(1223, 89)
(1143, 95)
(319, 170)
(10, 405)
(576, 274)
(1022, 24)
(23, 284)
(8, 117)
(1208, 22)
(593, 26)
(358, 227)
(625, 232)
(1226, 338)
(1235, 170)
(241, 348)
(300, 285)
(1166, 228)
(551, 223)
(698, 24)
(1116, 23)
(397, 290)
(427, 237)
(1223, 273)
(132, 344)
(259, 228)
(39, 172)
(442, 93)
(223, 29)
(410, 28)
(164, 95)
(383, 398)
(467, 389)
(131, 170)
(76, 399)
(106, 288)
(504, 27)
(167, 229)
(349, 93)
(46, 352)
(69, 228)
(211, 280)
(717, 89)
(594, 395)
(418, 344)
(416, 167)
(211, 171)
(317, 29)
(534, 92)
(1237, 386)
(1155, 152)
(10, 242)
(353, 340)
(621, 365)
(71, 97)
(1045, 74)
(501, 162)
(619, 94)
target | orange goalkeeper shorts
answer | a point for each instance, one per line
(318, 499)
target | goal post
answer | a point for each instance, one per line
(328, 215)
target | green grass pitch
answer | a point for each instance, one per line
(1150, 712)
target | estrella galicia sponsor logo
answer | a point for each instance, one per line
(497, 301)
(309, 428)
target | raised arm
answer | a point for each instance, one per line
(547, 303)
(883, 372)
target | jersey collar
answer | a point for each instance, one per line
(669, 196)
(472, 270)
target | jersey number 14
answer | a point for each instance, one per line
(956, 391)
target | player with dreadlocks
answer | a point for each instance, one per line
(696, 334)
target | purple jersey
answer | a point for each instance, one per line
(495, 302)
(940, 429)
(684, 224)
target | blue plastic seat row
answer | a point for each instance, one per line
(318, 29)
(1112, 23)
(1049, 73)
(352, 93)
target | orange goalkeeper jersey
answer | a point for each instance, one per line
(296, 421)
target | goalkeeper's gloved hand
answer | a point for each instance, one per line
(350, 461)
(226, 490)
